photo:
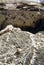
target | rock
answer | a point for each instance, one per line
(12, 1)
(20, 14)
(31, 48)
(21, 18)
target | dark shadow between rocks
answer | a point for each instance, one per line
(38, 27)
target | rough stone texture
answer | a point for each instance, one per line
(20, 18)
(20, 14)
(31, 45)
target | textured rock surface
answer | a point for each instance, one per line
(20, 18)
(32, 48)
(20, 14)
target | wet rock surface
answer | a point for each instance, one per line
(21, 48)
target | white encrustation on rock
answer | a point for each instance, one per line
(8, 28)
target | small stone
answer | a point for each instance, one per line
(18, 50)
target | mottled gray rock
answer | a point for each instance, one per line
(31, 48)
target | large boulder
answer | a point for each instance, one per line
(21, 48)
(21, 18)
(20, 14)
